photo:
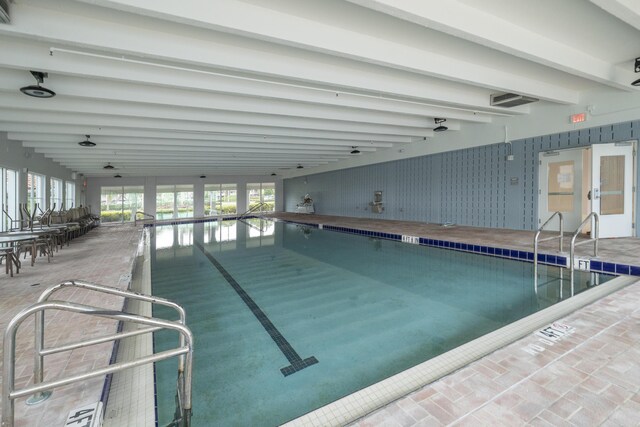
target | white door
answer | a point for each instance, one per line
(612, 188)
(560, 189)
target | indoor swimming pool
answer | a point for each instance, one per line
(288, 318)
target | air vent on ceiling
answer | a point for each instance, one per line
(4, 12)
(510, 99)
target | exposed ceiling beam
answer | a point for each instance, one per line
(413, 67)
(315, 35)
(483, 28)
(98, 121)
(368, 110)
(625, 10)
(128, 114)
(117, 142)
(160, 133)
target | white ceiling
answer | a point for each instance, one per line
(190, 87)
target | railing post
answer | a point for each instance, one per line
(8, 374)
(38, 361)
(9, 394)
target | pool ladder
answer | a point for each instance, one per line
(572, 247)
(145, 217)
(41, 390)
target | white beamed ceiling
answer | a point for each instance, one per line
(195, 87)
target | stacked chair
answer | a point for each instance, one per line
(53, 229)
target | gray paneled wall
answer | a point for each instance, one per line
(475, 186)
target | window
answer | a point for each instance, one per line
(264, 193)
(69, 194)
(9, 201)
(55, 193)
(220, 199)
(120, 204)
(561, 180)
(174, 201)
(35, 192)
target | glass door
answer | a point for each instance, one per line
(560, 189)
(612, 188)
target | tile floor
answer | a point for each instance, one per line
(104, 255)
(591, 377)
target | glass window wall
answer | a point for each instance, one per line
(55, 193)
(174, 201)
(9, 201)
(261, 196)
(36, 192)
(120, 204)
(220, 199)
(69, 194)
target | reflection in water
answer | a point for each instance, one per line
(225, 231)
(164, 237)
(253, 232)
(167, 235)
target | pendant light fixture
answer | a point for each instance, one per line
(355, 150)
(87, 143)
(117, 175)
(38, 91)
(108, 166)
(441, 127)
(299, 167)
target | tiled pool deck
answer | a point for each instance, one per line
(104, 255)
(590, 377)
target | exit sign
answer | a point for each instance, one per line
(579, 118)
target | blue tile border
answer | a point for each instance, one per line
(597, 266)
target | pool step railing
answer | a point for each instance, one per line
(41, 390)
(145, 217)
(255, 227)
(251, 210)
(595, 237)
(537, 240)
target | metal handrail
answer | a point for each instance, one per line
(595, 238)
(537, 240)
(9, 394)
(135, 217)
(40, 351)
(251, 210)
(255, 227)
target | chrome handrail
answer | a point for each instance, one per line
(40, 351)
(251, 210)
(595, 238)
(537, 240)
(9, 393)
(135, 217)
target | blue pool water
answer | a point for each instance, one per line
(288, 318)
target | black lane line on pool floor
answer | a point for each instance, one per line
(297, 363)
